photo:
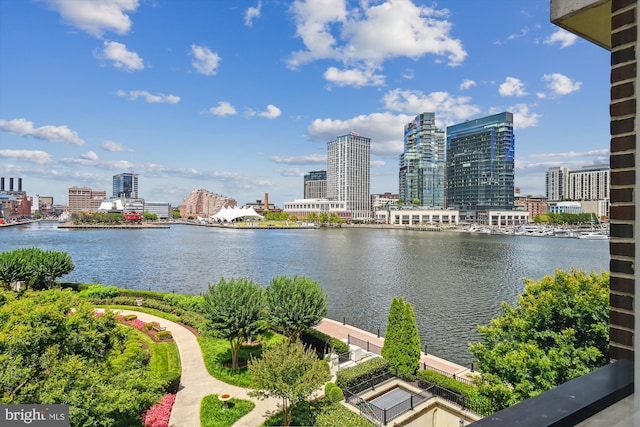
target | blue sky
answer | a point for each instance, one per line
(241, 97)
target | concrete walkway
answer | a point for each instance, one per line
(342, 331)
(196, 382)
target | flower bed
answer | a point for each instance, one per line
(158, 415)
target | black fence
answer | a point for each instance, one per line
(384, 415)
(426, 367)
(367, 345)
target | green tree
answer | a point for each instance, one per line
(290, 372)
(557, 331)
(147, 216)
(34, 267)
(175, 214)
(402, 341)
(294, 304)
(234, 310)
(313, 217)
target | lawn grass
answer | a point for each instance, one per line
(321, 412)
(165, 358)
(212, 414)
(217, 353)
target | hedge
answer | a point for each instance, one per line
(362, 372)
(323, 343)
(449, 383)
(333, 393)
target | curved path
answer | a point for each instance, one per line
(196, 382)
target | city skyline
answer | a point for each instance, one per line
(242, 98)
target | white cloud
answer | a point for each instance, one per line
(113, 147)
(149, 97)
(409, 74)
(24, 127)
(467, 84)
(571, 154)
(522, 117)
(354, 77)
(121, 57)
(97, 16)
(449, 109)
(31, 156)
(271, 113)
(205, 62)
(512, 87)
(376, 163)
(223, 109)
(290, 172)
(311, 159)
(565, 38)
(251, 14)
(384, 129)
(372, 33)
(561, 84)
(90, 155)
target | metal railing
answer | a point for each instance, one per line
(365, 344)
(426, 367)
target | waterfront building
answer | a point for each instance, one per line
(535, 205)
(566, 207)
(315, 185)
(422, 162)
(302, 208)
(499, 218)
(379, 200)
(348, 173)
(125, 185)
(556, 182)
(480, 164)
(590, 183)
(84, 199)
(202, 203)
(418, 216)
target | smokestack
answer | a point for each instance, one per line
(10, 184)
(19, 184)
(2, 184)
(266, 201)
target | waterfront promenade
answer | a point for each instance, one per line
(343, 331)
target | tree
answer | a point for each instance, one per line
(557, 331)
(313, 217)
(147, 216)
(234, 310)
(290, 372)
(402, 341)
(294, 304)
(34, 267)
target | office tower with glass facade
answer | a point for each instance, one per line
(421, 176)
(315, 185)
(480, 164)
(125, 185)
(348, 173)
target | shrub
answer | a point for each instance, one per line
(128, 317)
(99, 292)
(364, 371)
(323, 343)
(333, 393)
(448, 383)
(158, 415)
(150, 325)
(184, 302)
(164, 335)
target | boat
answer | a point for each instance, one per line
(593, 235)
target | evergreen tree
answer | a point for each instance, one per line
(402, 341)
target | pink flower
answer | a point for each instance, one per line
(158, 415)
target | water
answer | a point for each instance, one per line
(454, 281)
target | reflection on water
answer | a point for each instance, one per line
(454, 281)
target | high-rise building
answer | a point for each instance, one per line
(557, 184)
(84, 199)
(125, 185)
(422, 162)
(348, 173)
(480, 164)
(315, 185)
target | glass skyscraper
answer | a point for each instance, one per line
(422, 163)
(348, 173)
(480, 164)
(315, 185)
(125, 185)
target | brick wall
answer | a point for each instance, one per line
(623, 176)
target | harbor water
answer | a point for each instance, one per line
(455, 281)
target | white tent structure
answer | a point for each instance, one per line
(234, 214)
